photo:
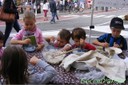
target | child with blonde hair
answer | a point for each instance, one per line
(29, 28)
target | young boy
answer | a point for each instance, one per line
(113, 39)
(62, 40)
(79, 36)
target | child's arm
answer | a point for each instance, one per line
(40, 47)
(17, 39)
(21, 42)
(85, 45)
(103, 44)
(50, 39)
(66, 47)
(47, 75)
(40, 43)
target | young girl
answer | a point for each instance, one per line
(62, 40)
(29, 29)
(79, 36)
(15, 68)
(1, 44)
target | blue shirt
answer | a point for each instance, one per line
(121, 41)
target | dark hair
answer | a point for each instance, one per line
(14, 65)
(78, 33)
(65, 34)
(44, 1)
(1, 36)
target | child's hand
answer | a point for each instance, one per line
(66, 47)
(39, 47)
(82, 42)
(34, 60)
(52, 39)
(26, 41)
(116, 45)
(105, 44)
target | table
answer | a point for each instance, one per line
(63, 77)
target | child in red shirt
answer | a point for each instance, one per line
(79, 36)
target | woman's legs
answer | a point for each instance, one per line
(53, 17)
(16, 26)
(8, 29)
(45, 15)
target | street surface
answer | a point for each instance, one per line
(101, 22)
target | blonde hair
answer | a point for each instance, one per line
(29, 15)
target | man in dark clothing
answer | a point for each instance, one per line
(53, 9)
(0, 3)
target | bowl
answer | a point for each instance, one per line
(29, 49)
(81, 65)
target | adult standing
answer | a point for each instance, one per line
(0, 3)
(10, 7)
(38, 6)
(53, 10)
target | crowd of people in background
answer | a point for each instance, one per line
(62, 5)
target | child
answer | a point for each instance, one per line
(1, 44)
(62, 40)
(113, 39)
(79, 36)
(15, 68)
(29, 29)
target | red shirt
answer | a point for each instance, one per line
(86, 46)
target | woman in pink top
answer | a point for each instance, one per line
(29, 29)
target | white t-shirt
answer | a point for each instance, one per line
(46, 6)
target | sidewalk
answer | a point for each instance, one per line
(86, 11)
(103, 29)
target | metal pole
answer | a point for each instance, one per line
(36, 7)
(91, 24)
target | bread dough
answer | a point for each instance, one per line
(53, 56)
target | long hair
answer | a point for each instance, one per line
(14, 65)
(1, 36)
